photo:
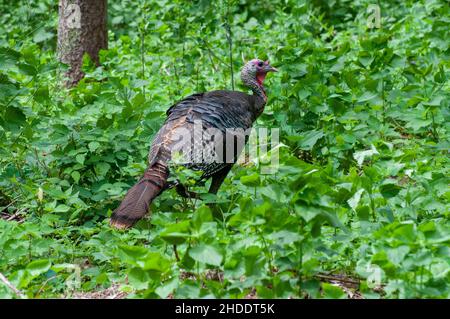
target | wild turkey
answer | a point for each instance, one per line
(219, 110)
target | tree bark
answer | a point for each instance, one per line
(81, 29)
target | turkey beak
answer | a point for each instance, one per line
(269, 68)
(272, 69)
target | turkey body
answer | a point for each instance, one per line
(191, 129)
(224, 111)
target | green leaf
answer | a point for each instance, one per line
(138, 278)
(332, 292)
(360, 156)
(138, 100)
(405, 233)
(76, 176)
(177, 233)
(396, 255)
(156, 263)
(285, 237)
(38, 267)
(42, 35)
(202, 215)
(61, 208)
(389, 190)
(206, 254)
(310, 139)
(8, 58)
(133, 253)
(354, 200)
(14, 117)
(117, 20)
(308, 213)
(367, 96)
(102, 168)
(250, 180)
(80, 158)
(93, 146)
(42, 94)
(27, 69)
(167, 288)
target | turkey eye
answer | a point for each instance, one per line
(260, 63)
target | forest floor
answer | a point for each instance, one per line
(357, 204)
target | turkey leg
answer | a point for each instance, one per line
(218, 179)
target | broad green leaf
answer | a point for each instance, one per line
(331, 291)
(206, 254)
(133, 253)
(14, 116)
(61, 208)
(102, 168)
(38, 267)
(360, 156)
(76, 176)
(93, 146)
(156, 263)
(138, 278)
(310, 139)
(354, 200)
(80, 158)
(389, 190)
(176, 233)
(367, 96)
(250, 180)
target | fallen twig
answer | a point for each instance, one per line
(10, 286)
(12, 202)
(45, 283)
(20, 211)
(341, 279)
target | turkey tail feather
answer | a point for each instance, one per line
(139, 197)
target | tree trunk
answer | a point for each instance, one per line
(82, 29)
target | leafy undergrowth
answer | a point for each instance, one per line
(358, 207)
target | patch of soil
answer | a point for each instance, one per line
(112, 292)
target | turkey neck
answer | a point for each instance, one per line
(260, 97)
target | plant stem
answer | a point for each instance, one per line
(143, 30)
(300, 262)
(435, 134)
(10, 286)
(230, 43)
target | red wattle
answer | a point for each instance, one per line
(260, 77)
